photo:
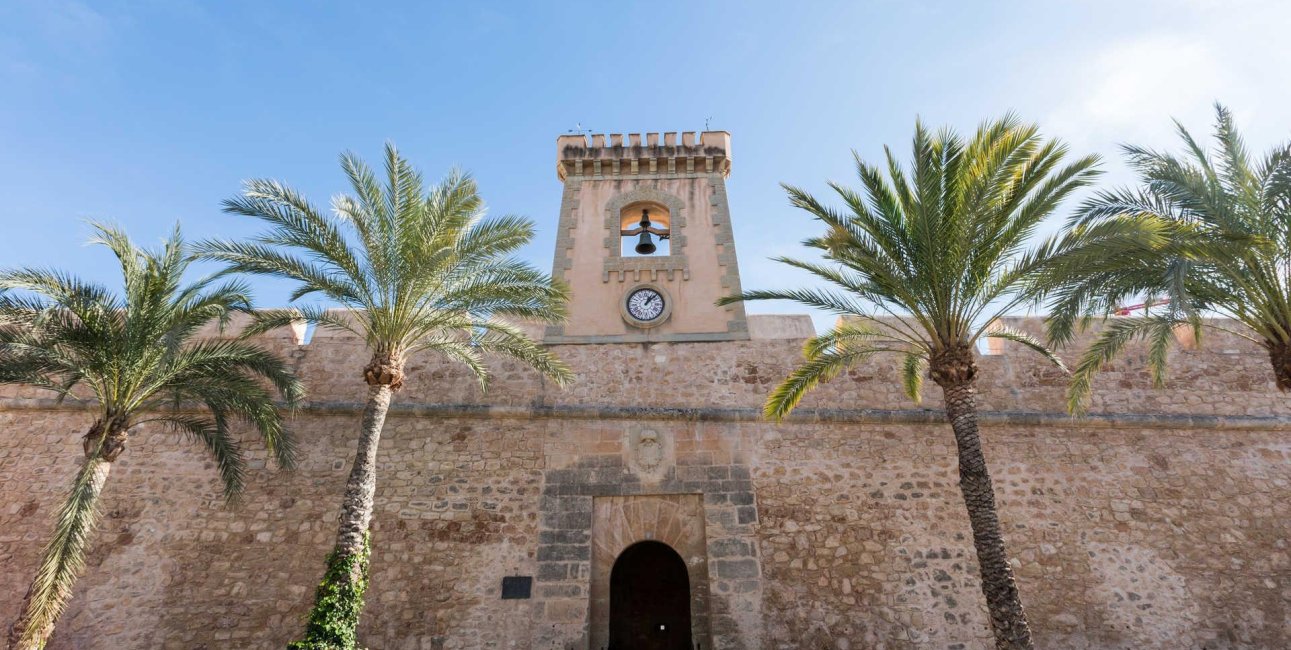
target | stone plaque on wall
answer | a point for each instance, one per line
(650, 453)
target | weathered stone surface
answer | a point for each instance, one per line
(1162, 527)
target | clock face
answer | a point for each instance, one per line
(645, 304)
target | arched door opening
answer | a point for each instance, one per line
(649, 599)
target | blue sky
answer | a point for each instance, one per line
(145, 113)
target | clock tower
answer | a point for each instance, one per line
(645, 240)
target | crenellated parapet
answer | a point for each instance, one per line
(633, 154)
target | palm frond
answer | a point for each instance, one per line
(913, 368)
(1001, 331)
(1116, 334)
(63, 557)
(1226, 249)
(224, 448)
(501, 338)
(421, 266)
(932, 251)
(136, 354)
(823, 367)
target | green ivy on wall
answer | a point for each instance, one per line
(334, 621)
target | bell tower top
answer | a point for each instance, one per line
(653, 153)
(644, 239)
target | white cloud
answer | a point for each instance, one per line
(1131, 88)
(1128, 91)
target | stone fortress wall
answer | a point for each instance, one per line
(1159, 522)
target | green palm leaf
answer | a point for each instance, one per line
(1226, 252)
(417, 269)
(933, 254)
(1008, 333)
(919, 262)
(135, 356)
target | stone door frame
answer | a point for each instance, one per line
(673, 519)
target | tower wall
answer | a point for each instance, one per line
(603, 175)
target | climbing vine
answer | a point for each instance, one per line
(334, 621)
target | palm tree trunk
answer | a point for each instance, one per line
(1008, 620)
(350, 552)
(64, 556)
(1280, 358)
(360, 490)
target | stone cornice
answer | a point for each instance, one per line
(747, 414)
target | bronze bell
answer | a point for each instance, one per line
(645, 246)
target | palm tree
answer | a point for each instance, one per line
(423, 270)
(137, 355)
(921, 264)
(1228, 254)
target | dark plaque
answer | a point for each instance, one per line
(514, 587)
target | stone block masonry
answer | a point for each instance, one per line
(1159, 522)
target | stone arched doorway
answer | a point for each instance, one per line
(649, 599)
(672, 521)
